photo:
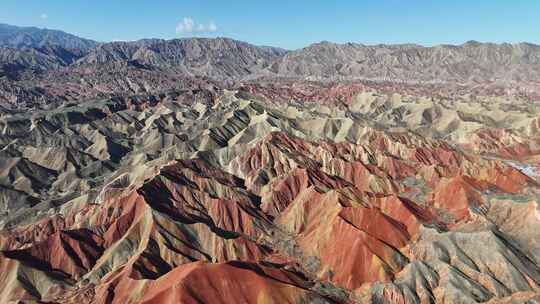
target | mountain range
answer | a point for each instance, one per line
(30, 59)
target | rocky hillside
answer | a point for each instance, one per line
(470, 62)
(219, 58)
(16, 64)
(146, 66)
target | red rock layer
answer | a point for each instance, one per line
(289, 215)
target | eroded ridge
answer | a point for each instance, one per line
(233, 196)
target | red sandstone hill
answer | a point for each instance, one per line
(217, 196)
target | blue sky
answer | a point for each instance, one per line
(289, 24)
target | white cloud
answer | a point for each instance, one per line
(188, 26)
(44, 16)
(212, 27)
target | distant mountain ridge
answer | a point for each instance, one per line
(32, 58)
(472, 61)
(225, 58)
(33, 37)
(217, 58)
